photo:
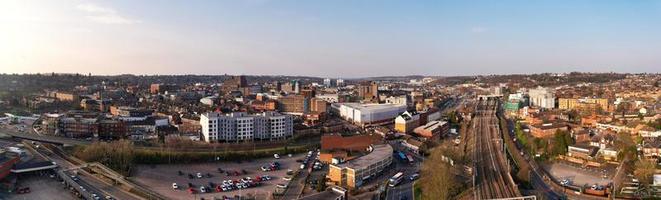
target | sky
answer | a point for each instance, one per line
(330, 38)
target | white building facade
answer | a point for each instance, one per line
(370, 114)
(240, 126)
(542, 97)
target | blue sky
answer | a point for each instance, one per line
(333, 38)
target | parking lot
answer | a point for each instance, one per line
(41, 187)
(579, 176)
(159, 178)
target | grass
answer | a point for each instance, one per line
(417, 191)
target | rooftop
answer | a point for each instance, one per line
(378, 153)
(372, 106)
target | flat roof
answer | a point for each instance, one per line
(378, 153)
(372, 106)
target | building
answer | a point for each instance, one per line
(353, 173)
(339, 82)
(268, 105)
(542, 97)
(328, 82)
(370, 114)
(368, 91)
(77, 127)
(291, 87)
(235, 83)
(240, 126)
(583, 104)
(546, 130)
(65, 96)
(112, 129)
(330, 98)
(209, 101)
(582, 151)
(294, 104)
(158, 88)
(433, 130)
(401, 100)
(406, 122)
(126, 111)
(318, 105)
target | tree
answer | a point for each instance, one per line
(644, 171)
(436, 180)
(561, 141)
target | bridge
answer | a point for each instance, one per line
(47, 138)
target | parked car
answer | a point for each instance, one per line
(175, 186)
(414, 176)
(276, 156)
(199, 175)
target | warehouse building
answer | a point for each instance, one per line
(370, 114)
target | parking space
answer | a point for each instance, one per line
(578, 175)
(41, 187)
(159, 178)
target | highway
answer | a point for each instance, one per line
(492, 179)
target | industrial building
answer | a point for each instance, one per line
(370, 114)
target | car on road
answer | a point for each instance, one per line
(203, 189)
(276, 156)
(175, 186)
(302, 166)
(199, 175)
(564, 182)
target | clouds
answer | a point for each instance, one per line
(104, 15)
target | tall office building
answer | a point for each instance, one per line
(369, 91)
(328, 82)
(542, 97)
(339, 82)
(235, 83)
(240, 126)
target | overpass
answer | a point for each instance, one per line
(47, 138)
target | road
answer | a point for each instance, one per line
(87, 180)
(405, 189)
(492, 179)
(536, 179)
(297, 184)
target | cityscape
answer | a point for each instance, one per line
(330, 100)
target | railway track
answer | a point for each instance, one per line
(492, 180)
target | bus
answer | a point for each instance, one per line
(410, 158)
(402, 156)
(394, 180)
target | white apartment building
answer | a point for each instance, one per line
(240, 126)
(542, 97)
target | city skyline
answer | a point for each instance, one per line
(329, 39)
